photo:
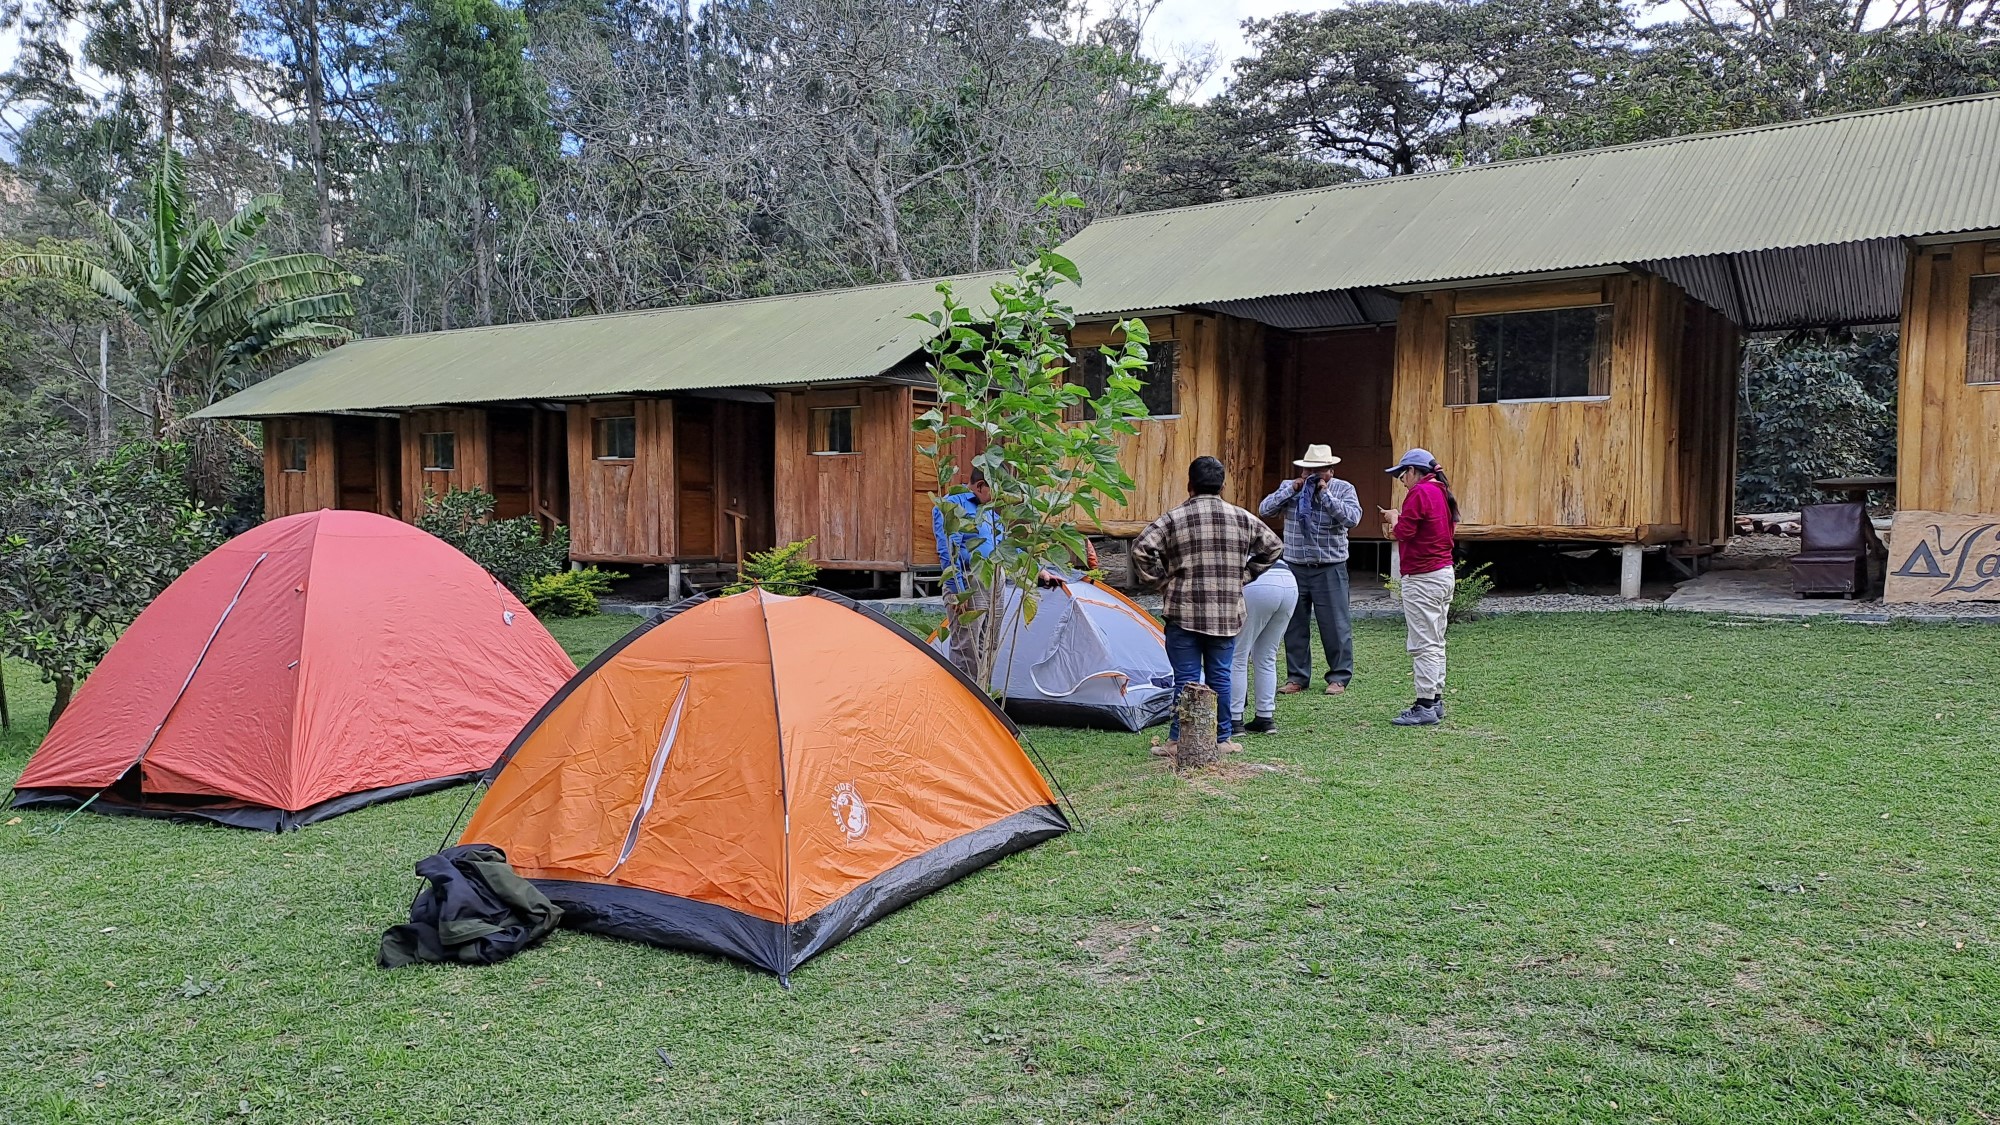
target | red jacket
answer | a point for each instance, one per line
(1424, 529)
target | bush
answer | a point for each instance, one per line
(568, 593)
(514, 550)
(1470, 593)
(781, 570)
(1467, 595)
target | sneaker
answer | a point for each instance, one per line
(1166, 750)
(1336, 688)
(1291, 687)
(1418, 715)
(1229, 747)
(1263, 724)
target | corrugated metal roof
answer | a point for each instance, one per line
(1901, 172)
(818, 337)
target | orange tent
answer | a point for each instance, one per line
(761, 776)
(308, 667)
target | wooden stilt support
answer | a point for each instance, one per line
(909, 586)
(676, 576)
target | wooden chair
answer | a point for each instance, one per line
(1835, 542)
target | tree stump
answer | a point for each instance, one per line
(1196, 747)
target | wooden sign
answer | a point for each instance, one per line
(1943, 557)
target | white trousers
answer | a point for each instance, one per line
(1426, 609)
(1267, 609)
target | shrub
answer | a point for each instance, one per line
(513, 550)
(1467, 595)
(781, 570)
(568, 593)
(1470, 593)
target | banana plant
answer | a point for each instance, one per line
(216, 310)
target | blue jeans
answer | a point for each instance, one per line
(1197, 659)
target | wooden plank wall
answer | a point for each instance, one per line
(623, 511)
(1609, 469)
(855, 505)
(287, 494)
(1711, 358)
(1221, 397)
(1947, 457)
(470, 457)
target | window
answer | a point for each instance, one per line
(616, 439)
(1982, 336)
(1524, 356)
(833, 429)
(1092, 370)
(440, 452)
(292, 454)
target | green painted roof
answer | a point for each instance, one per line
(819, 337)
(1902, 172)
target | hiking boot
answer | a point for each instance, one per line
(1229, 748)
(1291, 687)
(1262, 724)
(1419, 714)
(1166, 750)
(1336, 688)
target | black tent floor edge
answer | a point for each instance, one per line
(237, 816)
(673, 922)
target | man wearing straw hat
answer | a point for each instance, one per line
(1318, 508)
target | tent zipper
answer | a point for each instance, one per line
(653, 776)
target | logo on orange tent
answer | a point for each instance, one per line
(850, 811)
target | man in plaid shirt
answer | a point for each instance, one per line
(1202, 553)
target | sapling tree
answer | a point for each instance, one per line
(1046, 445)
(84, 546)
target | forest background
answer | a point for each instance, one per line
(475, 162)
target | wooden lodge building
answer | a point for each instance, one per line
(1562, 332)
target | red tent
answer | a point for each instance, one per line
(309, 667)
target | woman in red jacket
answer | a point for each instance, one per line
(1422, 529)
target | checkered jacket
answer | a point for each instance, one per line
(1202, 553)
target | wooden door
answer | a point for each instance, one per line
(694, 478)
(1335, 390)
(357, 464)
(839, 524)
(510, 438)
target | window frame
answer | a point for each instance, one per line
(602, 426)
(1973, 330)
(1461, 375)
(428, 448)
(1091, 370)
(294, 451)
(820, 430)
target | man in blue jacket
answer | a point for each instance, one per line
(1318, 508)
(979, 534)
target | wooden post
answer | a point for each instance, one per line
(1196, 747)
(909, 589)
(674, 574)
(1395, 561)
(736, 519)
(1631, 561)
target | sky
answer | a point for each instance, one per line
(1186, 25)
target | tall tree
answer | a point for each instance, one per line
(1391, 88)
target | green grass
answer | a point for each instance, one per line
(1656, 868)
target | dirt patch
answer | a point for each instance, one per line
(1446, 1035)
(1111, 951)
(1232, 769)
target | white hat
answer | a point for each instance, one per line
(1318, 457)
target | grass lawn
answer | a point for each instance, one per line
(1656, 868)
